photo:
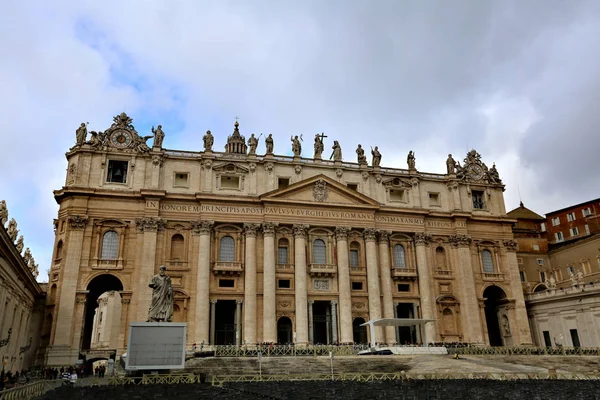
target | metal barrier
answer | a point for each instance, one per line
(29, 391)
(529, 351)
(274, 351)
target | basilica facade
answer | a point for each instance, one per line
(280, 249)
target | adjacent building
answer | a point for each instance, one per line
(274, 248)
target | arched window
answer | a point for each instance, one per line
(488, 262)
(319, 252)
(283, 251)
(177, 247)
(110, 246)
(59, 248)
(227, 249)
(440, 258)
(399, 256)
(354, 254)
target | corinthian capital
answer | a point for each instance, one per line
(300, 230)
(422, 238)
(383, 236)
(150, 224)
(202, 227)
(370, 234)
(250, 229)
(77, 221)
(511, 245)
(341, 233)
(268, 228)
(460, 240)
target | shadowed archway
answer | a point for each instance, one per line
(494, 296)
(97, 286)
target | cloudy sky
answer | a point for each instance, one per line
(518, 81)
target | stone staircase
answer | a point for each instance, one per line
(296, 365)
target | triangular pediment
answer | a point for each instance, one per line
(320, 189)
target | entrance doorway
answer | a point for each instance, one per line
(225, 322)
(494, 297)
(359, 333)
(406, 334)
(284, 330)
(322, 322)
(104, 321)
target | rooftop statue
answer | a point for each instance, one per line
(81, 135)
(319, 146)
(376, 156)
(252, 144)
(12, 230)
(450, 165)
(296, 145)
(19, 245)
(27, 255)
(337, 151)
(161, 307)
(208, 140)
(360, 153)
(159, 136)
(269, 143)
(410, 160)
(493, 175)
(3, 213)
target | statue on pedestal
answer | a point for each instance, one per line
(296, 146)
(19, 245)
(410, 160)
(27, 256)
(252, 144)
(493, 175)
(376, 156)
(360, 153)
(81, 135)
(3, 213)
(161, 307)
(208, 141)
(450, 165)
(159, 135)
(269, 143)
(337, 151)
(319, 147)
(12, 230)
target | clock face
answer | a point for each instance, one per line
(121, 138)
(475, 171)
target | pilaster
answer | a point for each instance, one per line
(203, 317)
(422, 240)
(386, 283)
(148, 227)
(269, 300)
(345, 297)
(250, 284)
(373, 281)
(300, 280)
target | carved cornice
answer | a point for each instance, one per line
(78, 221)
(460, 240)
(383, 236)
(150, 224)
(370, 234)
(202, 227)
(250, 229)
(300, 230)
(269, 228)
(511, 245)
(422, 238)
(341, 233)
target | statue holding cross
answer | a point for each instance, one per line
(319, 147)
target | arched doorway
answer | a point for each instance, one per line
(540, 288)
(494, 297)
(359, 333)
(98, 287)
(284, 330)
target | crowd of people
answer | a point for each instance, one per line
(9, 380)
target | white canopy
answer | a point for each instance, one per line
(395, 322)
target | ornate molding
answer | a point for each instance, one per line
(422, 238)
(269, 228)
(78, 221)
(341, 233)
(460, 240)
(202, 227)
(320, 190)
(298, 169)
(370, 234)
(157, 160)
(250, 229)
(383, 236)
(511, 245)
(269, 167)
(339, 172)
(300, 230)
(365, 175)
(150, 224)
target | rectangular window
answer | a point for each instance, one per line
(587, 229)
(117, 171)
(226, 283)
(282, 183)
(478, 203)
(536, 247)
(559, 236)
(519, 260)
(354, 258)
(571, 217)
(282, 255)
(571, 269)
(230, 182)
(586, 211)
(284, 284)
(542, 276)
(574, 231)
(353, 186)
(543, 227)
(396, 195)
(555, 221)
(575, 338)
(181, 179)
(547, 341)
(540, 261)
(357, 286)
(434, 199)
(403, 287)
(522, 276)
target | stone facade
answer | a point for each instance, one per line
(270, 248)
(21, 303)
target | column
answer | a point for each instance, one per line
(427, 300)
(373, 282)
(418, 327)
(202, 313)
(250, 284)
(66, 305)
(300, 280)
(213, 310)
(149, 226)
(79, 317)
(508, 253)
(472, 326)
(334, 324)
(124, 334)
(396, 328)
(238, 322)
(269, 304)
(345, 297)
(386, 284)
(310, 322)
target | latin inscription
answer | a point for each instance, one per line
(173, 207)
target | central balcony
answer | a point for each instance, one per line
(404, 273)
(322, 269)
(492, 277)
(228, 268)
